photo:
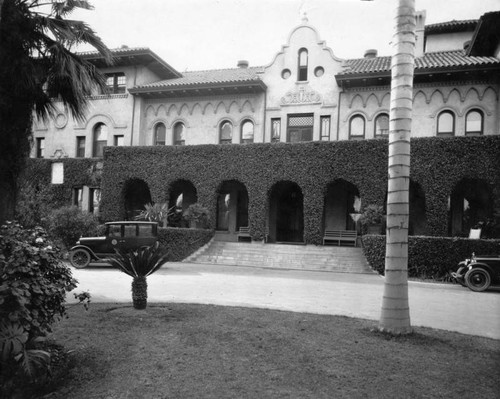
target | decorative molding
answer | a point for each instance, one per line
(301, 96)
(107, 96)
(59, 153)
(60, 120)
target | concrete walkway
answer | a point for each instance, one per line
(441, 306)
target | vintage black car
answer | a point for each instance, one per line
(124, 236)
(479, 272)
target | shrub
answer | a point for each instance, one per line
(156, 213)
(33, 287)
(198, 214)
(429, 257)
(69, 223)
(182, 242)
(33, 280)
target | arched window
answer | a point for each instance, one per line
(357, 128)
(303, 61)
(446, 124)
(382, 125)
(226, 133)
(100, 139)
(160, 134)
(247, 132)
(474, 123)
(179, 130)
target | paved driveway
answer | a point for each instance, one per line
(442, 306)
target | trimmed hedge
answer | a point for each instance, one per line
(181, 243)
(438, 164)
(429, 257)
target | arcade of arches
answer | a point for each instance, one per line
(470, 202)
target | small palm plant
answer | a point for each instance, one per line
(139, 264)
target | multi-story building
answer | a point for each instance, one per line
(305, 93)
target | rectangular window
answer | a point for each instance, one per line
(57, 173)
(325, 128)
(275, 130)
(78, 197)
(119, 140)
(80, 147)
(300, 128)
(115, 83)
(40, 147)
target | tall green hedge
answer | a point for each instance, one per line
(429, 257)
(180, 243)
(438, 164)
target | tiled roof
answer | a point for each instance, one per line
(437, 60)
(210, 77)
(116, 51)
(451, 26)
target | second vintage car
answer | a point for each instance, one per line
(479, 272)
(123, 236)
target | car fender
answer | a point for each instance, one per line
(480, 265)
(92, 254)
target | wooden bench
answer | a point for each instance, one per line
(338, 236)
(244, 233)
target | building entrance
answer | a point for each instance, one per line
(286, 218)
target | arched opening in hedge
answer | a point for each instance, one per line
(342, 203)
(286, 213)
(135, 195)
(470, 205)
(181, 194)
(418, 216)
(232, 206)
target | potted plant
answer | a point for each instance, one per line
(197, 216)
(372, 218)
(158, 212)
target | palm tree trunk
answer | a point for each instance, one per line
(140, 292)
(395, 315)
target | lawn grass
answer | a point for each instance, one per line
(203, 351)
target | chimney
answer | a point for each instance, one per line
(420, 33)
(371, 53)
(243, 64)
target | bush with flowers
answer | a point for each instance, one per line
(33, 287)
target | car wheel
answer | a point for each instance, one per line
(80, 258)
(478, 279)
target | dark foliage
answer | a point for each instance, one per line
(68, 223)
(33, 280)
(180, 243)
(429, 257)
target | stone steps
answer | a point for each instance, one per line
(283, 256)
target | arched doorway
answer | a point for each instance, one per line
(135, 195)
(471, 202)
(342, 203)
(232, 206)
(286, 213)
(181, 194)
(418, 216)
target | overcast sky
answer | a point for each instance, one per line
(210, 34)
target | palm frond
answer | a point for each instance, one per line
(67, 7)
(142, 262)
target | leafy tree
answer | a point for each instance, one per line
(395, 315)
(139, 264)
(37, 66)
